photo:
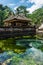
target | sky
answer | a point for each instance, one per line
(31, 5)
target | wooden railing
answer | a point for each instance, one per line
(16, 31)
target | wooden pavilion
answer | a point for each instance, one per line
(17, 21)
(17, 26)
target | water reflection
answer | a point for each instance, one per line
(21, 45)
(31, 56)
(23, 52)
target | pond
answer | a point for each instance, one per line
(31, 54)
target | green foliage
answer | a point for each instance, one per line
(1, 15)
(22, 10)
(37, 16)
(5, 12)
(33, 57)
(19, 47)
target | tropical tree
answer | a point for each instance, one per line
(5, 12)
(1, 15)
(37, 16)
(22, 10)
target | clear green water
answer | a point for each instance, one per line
(24, 52)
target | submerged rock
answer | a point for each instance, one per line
(31, 56)
(3, 64)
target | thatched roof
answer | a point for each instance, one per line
(41, 27)
(17, 17)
